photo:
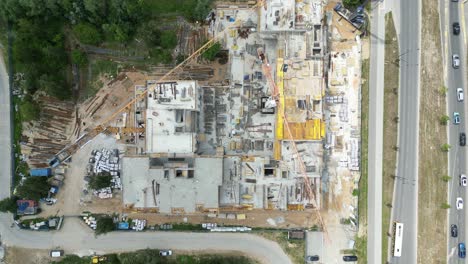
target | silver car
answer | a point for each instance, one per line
(455, 61)
(460, 95)
(456, 118)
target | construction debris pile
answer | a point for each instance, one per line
(104, 193)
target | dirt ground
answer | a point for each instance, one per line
(254, 218)
(391, 79)
(70, 197)
(432, 239)
(15, 255)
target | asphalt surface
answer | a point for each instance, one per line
(5, 132)
(75, 237)
(405, 198)
(457, 156)
(375, 139)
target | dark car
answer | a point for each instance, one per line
(454, 230)
(461, 250)
(312, 258)
(462, 139)
(349, 258)
(456, 28)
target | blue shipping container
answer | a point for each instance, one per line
(42, 172)
(123, 226)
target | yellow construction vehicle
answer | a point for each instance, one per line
(98, 259)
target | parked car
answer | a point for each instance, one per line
(56, 253)
(456, 118)
(312, 258)
(454, 230)
(463, 180)
(462, 139)
(349, 258)
(456, 28)
(460, 96)
(461, 250)
(459, 203)
(455, 61)
(165, 253)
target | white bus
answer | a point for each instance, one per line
(397, 239)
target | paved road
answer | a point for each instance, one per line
(376, 95)
(457, 155)
(405, 205)
(5, 132)
(75, 237)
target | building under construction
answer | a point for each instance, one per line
(255, 141)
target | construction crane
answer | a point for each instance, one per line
(69, 150)
(275, 101)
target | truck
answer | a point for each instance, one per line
(41, 172)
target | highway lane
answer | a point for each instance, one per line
(457, 155)
(75, 237)
(405, 205)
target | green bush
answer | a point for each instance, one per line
(100, 181)
(445, 206)
(445, 147)
(446, 178)
(211, 53)
(104, 224)
(87, 34)
(79, 57)
(351, 4)
(161, 56)
(168, 40)
(33, 188)
(29, 110)
(8, 205)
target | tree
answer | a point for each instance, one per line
(446, 178)
(443, 91)
(162, 56)
(33, 188)
(356, 192)
(8, 205)
(100, 181)
(211, 53)
(168, 40)
(87, 34)
(55, 85)
(151, 33)
(445, 147)
(444, 120)
(197, 10)
(29, 110)
(445, 206)
(79, 57)
(351, 3)
(104, 224)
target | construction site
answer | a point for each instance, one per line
(275, 128)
